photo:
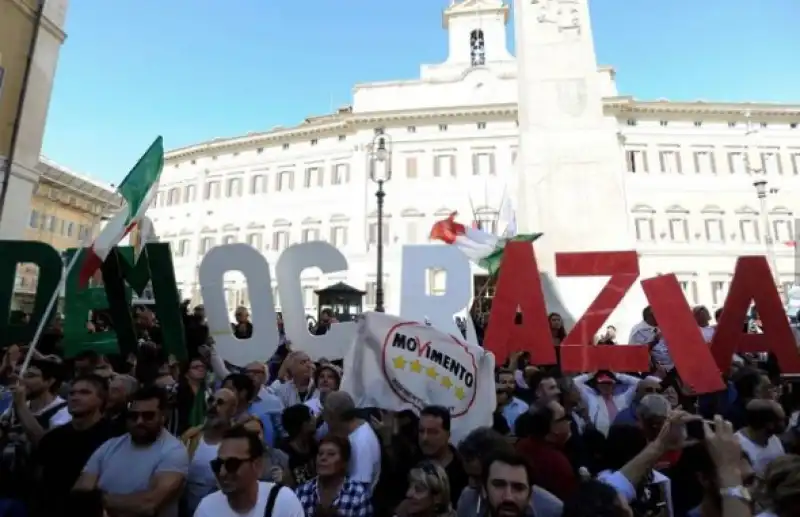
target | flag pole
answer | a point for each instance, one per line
(50, 305)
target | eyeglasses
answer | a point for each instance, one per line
(230, 464)
(146, 416)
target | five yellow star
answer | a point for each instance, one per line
(416, 366)
(431, 371)
(460, 393)
(446, 382)
(399, 362)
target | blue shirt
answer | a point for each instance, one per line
(627, 416)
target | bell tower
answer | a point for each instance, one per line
(476, 32)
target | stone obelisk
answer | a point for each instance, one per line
(571, 168)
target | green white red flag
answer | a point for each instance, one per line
(138, 190)
(482, 248)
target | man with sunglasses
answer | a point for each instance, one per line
(143, 471)
(202, 443)
(238, 466)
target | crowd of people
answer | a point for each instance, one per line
(147, 435)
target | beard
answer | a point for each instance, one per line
(506, 509)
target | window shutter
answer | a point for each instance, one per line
(492, 169)
(453, 166)
(318, 171)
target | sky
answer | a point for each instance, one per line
(193, 70)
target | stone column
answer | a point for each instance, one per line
(17, 27)
(571, 183)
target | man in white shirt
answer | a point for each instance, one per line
(759, 438)
(238, 465)
(365, 456)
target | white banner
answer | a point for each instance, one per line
(396, 364)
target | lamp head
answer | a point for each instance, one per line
(380, 167)
(381, 153)
(761, 187)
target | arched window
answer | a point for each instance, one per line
(644, 224)
(678, 223)
(310, 230)
(781, 225)
(748, 225)
(713, 223)
(477, 48)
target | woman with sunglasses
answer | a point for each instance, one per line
(428, 493)
(331, 493)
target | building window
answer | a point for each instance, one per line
(442, 127)
(637, 160)
(645, 229)
(258, 184)
(411, 129)
(689, 288)
(313, 177)
(34, 222)
(796, 163)
(314, 141)
(731, 124)
(254, 240)
(229, 239)
(285, 181)
(715, 230)
(663, 123)
(704, 162)
(373, 233)
(737, 162)
(486, 222)
(371, 289)
(285, 146)
(477, 48)
(70, 229)
(280, 240)
(670, 162)
(782, 230)
(719, 290)
(411, 167)
(183, 247)
(339, 236)
(483, 164)
(698, 123)
(212, 190)
(378, 130)
(678, 229)
(770, 163)
(206, 243)
(412, 231)
(481, 125)
(310, 235)
(190, 193)
(342, 138)
(748, 228)
(436, 282)
(631, 122)
(234, 188)
(340, 174)
(309, 297)
(173, 196)
(444, 165)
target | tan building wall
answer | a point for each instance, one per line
(66, 209)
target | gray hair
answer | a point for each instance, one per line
(653, 405)
(341, 405)
(129, 383)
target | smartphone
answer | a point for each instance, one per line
(696, 429)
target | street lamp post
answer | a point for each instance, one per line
(380, 171)
(761, 192)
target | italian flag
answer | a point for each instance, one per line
(137, 190)
(482, 248)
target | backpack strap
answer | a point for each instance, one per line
(273, 496)
(44, 417)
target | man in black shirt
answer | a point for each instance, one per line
(63, 452)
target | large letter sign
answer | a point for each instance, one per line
(338, 340)
(252, 264)
(13, 253)
(417, 305)
(577, 354)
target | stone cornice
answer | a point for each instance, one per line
(347, 122)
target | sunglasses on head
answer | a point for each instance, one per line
(230, 464)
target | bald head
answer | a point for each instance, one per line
(339, 405)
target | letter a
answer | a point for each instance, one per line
(519, 286)
(753, 281)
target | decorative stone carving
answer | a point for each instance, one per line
(564, 14)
